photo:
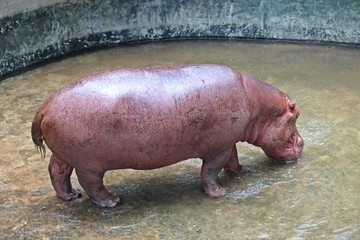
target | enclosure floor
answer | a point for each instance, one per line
(316, 198)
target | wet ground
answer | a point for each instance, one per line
(316, 198)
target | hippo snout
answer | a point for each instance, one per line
(291, 151)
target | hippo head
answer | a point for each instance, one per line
(279, 138)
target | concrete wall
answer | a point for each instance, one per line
(32, 31)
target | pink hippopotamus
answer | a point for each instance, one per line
(152, 117)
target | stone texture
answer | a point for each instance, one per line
(29, 37)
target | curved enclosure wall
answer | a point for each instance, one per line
(37, 30)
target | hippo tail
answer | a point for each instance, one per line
(37, 135)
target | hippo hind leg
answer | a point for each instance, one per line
(60, 172)
(209, 171)
(92, 182)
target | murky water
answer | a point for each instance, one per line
(316, 198)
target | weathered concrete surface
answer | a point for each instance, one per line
(30, 36)
(11, 7)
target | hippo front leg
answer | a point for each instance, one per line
(209, 171)
(233, 165)
(60, 172)
(92, 182)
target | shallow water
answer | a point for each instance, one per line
(316, 198)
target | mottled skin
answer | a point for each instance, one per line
(153, 117)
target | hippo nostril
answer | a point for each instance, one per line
(299, 140)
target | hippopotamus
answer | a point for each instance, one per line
(152, 117)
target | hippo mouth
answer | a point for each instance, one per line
(289, 152)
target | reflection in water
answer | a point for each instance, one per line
(315, 198)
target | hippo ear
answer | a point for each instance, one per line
(291, 104)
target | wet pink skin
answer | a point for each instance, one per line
(153, 117)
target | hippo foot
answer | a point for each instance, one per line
(110, 201)
(215, 192)
(238, 169)
(69, 196)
